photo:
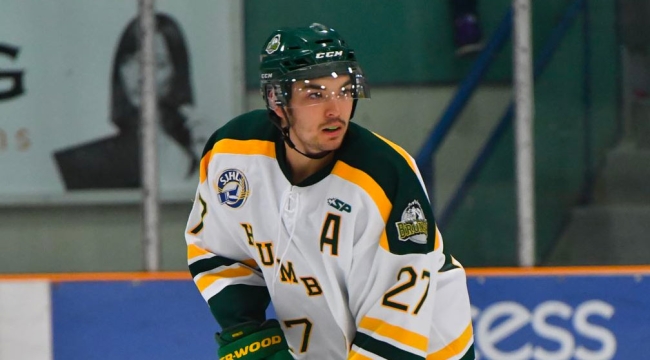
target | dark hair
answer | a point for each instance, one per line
(126, 116)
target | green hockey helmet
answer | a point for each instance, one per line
(296, 55)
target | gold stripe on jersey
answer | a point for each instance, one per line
(194, 251)
(399, 150)
(353, 355)
(455, 347)
(238, 147)
(233, 272)
(372, 188)
(397, 333)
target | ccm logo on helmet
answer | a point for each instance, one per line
(329, 54)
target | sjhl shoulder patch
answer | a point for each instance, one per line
(232, 188)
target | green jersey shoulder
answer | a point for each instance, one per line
(410, 226)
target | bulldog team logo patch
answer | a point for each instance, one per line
(414, 225)
(232, 188)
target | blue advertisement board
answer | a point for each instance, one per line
(131, 320)
(559, 317)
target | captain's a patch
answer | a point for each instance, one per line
(414, 225)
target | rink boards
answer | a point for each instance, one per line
(558, 313)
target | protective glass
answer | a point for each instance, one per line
(322, 83)
(319, 91)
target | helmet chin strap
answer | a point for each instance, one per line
(287, 139)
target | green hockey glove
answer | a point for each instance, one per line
(253, 341)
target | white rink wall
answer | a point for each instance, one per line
(25, 321)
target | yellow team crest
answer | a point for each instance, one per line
(414, 226)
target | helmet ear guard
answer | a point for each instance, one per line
(274, 95)
(273, 101)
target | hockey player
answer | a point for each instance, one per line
(299, 207)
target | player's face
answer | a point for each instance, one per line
(320, 113)
(130, 72)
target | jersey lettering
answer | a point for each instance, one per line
(266, 257)
(405, 286)
(287, 274)
(409, 283)
(204, 210)
(425, 275)
(248, 228)
(304, 345)
(312, 286)
(330, 233)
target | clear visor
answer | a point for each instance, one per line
(324, 83)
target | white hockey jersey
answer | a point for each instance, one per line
(350, 258)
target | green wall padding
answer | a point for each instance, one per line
(410, 43)
(397, 42)
(484, 230)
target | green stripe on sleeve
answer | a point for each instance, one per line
(240, 303)
(382, 349)
(469, 355)
(209, 264)
(235, 304)
(448, 265)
